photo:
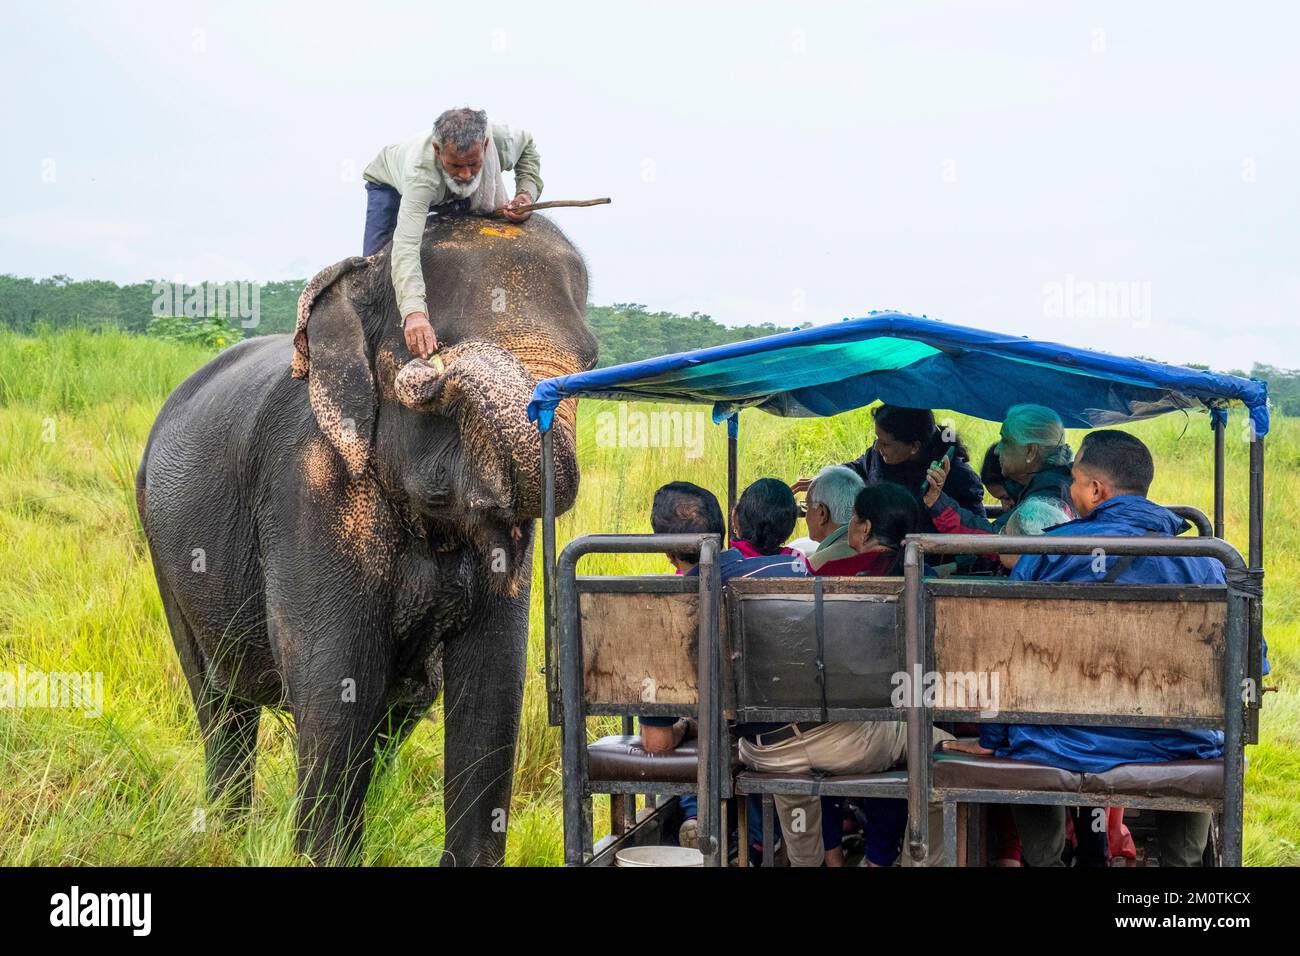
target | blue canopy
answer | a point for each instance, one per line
(917, 363)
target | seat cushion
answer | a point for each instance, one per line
(969, 772)
(1190, 779)
(1193, 779)
(619, 758)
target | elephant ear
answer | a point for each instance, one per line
(340, 381)
(311, 292)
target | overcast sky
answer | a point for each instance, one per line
(1113, 175)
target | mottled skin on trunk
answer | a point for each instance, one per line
(347, 546)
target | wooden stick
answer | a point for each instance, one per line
(552, 204)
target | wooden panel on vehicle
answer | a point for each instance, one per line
(639, 648)
(1153, 658)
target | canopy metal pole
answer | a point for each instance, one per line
(1235, 730)
(1256, 554)
(1255, 559)
(733, 429)
(1219, 428)
(573, 735)
(918, 716)
(553, 709)
(709, 709)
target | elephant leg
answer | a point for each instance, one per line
(230, 748)
(482, 695)
(338, 690)
(398, 725)
(334, 771)
(228, 725)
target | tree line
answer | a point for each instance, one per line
(626, 331)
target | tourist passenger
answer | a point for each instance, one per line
(763, 521)
(1111, 477)
(831, 497)
(681, 507)
(946, 519)
(995, 483)
(1035, 463)
(830, 506)
(883, 515)
(1034, 455)
(907, 441)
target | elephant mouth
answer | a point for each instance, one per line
(498, 545)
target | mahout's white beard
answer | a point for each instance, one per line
(458, 189)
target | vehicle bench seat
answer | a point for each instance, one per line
(1193, 779)
(970, 772)
(619, 758)
(1189, 779)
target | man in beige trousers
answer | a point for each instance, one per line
(838, 747)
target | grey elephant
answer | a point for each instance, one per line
(346, 539)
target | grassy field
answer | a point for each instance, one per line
(125, 787)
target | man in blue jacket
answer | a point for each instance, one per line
(1111, 475)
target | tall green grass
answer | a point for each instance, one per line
(77, 594)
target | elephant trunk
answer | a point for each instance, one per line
(486, 390)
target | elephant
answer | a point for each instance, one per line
(341, 530)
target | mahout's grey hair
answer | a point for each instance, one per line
(461, 128)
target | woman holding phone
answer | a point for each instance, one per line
(908, 442)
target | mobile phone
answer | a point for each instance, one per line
(925, 485)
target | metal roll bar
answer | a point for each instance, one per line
(713, 749)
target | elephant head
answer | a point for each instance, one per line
(449, 445)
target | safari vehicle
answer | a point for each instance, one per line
(828, 648)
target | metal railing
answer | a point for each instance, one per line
(1236, 637)
(713, 748)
